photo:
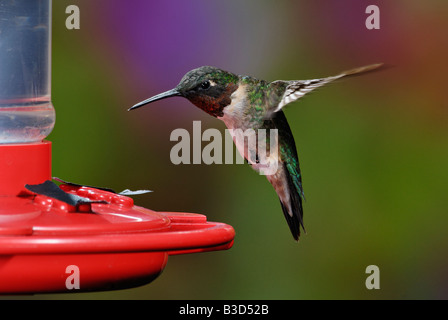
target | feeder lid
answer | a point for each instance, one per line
(111, 223)
(113, 245)
(43, 216)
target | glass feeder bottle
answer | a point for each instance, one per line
(26, 112)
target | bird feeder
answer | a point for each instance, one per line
(47, 244)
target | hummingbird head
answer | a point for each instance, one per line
(208, 88)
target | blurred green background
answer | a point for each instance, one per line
(373, 149)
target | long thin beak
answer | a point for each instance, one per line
(166, 94)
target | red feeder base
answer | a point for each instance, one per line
(47, 247)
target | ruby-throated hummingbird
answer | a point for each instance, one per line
(244, 102)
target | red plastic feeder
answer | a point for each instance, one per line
(49, 246)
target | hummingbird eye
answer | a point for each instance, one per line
(205, 85)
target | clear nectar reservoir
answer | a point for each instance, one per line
(26, 112)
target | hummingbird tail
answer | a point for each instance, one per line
(293, 209)
(293, 222)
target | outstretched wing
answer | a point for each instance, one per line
(296, 89)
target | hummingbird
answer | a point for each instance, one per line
(245, 102)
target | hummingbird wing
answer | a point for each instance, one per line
(287, 181)
(296, 89)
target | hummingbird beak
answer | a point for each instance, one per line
(166, 94)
